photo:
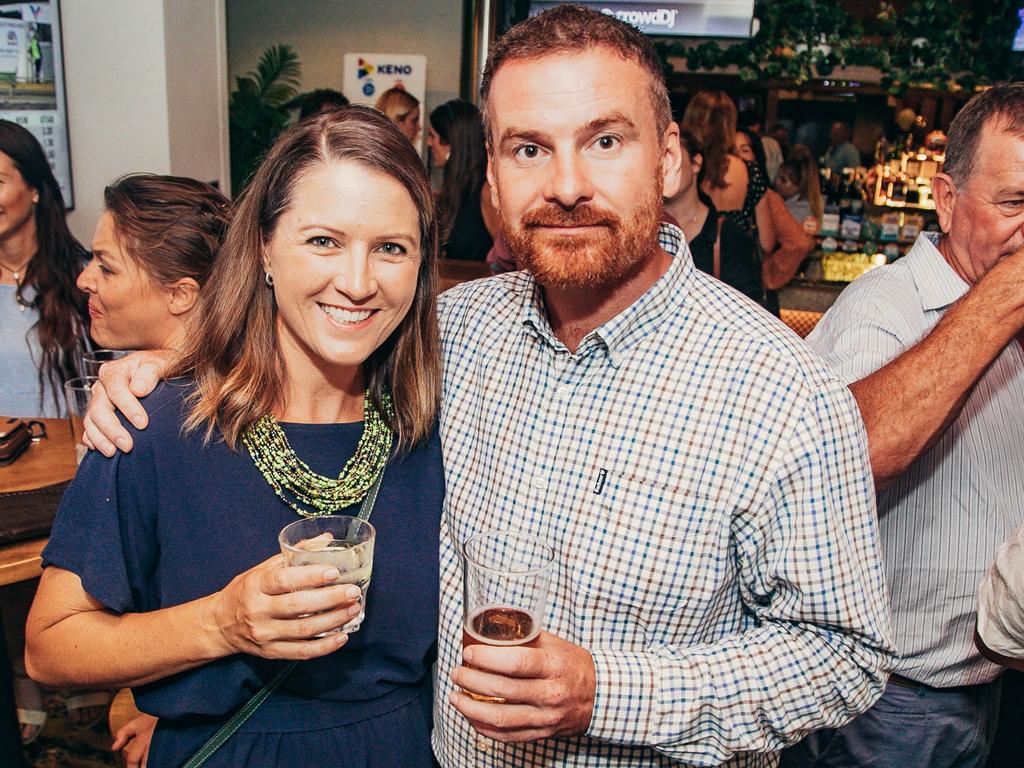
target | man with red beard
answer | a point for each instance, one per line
(701, 477)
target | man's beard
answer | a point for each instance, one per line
(592, 259)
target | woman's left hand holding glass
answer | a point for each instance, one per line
(277, 612)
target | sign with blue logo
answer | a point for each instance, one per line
(367, 75)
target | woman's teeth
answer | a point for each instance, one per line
(345, 315)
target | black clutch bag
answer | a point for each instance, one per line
(15, 436)
(29, 514)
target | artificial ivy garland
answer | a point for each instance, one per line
(296, 484)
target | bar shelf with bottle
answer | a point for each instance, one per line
(872, 216)
(903, 175)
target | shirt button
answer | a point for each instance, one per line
(563, 392)
(482, 745)
(538, 481)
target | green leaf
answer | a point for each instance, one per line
(259, 107)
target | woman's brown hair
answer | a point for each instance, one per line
(803, 169)
(234, 355)
(171, 225)
(711, 117)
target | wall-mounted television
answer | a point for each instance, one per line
(678, 18)
(32, 81)
(1018, 37)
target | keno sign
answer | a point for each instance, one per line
(368, 75)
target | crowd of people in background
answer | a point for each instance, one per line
(730, 583)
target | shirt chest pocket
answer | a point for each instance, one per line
(646, 549)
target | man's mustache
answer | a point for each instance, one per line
(579, 216)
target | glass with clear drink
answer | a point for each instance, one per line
(505, 590)
(94, 358)
(343, 541)
(77, 393)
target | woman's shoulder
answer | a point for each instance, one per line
(167, 408)
(736, 170)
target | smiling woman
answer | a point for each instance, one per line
(342, 284)
(315, 345)
(42, 316)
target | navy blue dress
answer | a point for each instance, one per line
(173, 521)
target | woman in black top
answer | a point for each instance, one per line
(468, 219)
(703, 226)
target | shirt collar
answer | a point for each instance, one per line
(638, 319)
(937, 283)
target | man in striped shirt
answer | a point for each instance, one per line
(702, 478)
(928, 347)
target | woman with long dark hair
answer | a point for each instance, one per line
(740, 191)
(719, 247)
(43, 320)
(468, 219)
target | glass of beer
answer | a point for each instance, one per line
(343, 541)
(505, 590)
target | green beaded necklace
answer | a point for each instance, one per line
(295, 483)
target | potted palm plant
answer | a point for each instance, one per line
(259, 109)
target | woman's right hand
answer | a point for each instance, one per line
(276, 611)
(122, 382)
(133, 739)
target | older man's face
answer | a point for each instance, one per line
(984, 220)
(578, 166)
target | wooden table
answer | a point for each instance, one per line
(49, 461)
(454, 271)
(43, 463)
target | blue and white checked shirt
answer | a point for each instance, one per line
(704, 482)
(943, 519)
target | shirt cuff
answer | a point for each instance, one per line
(1001, 610)
(625, 698)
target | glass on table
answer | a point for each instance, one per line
(76, 396)
(506, 581)
(343, 541)
(93, 359)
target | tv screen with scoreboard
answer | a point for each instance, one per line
(681, 18)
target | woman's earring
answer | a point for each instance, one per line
(268, 279)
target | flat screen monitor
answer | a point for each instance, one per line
(1018, 36)
(32, 81)
(679, 18)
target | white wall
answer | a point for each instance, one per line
(136, 103)
(197, 89)
(323, 31)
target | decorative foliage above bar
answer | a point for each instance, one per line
(929, 43)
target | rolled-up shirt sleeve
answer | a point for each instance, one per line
(1001, 600)
(866, 327)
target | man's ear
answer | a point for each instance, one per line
(944, 195)
(671, 160)
(183, 296)
(492, 182)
